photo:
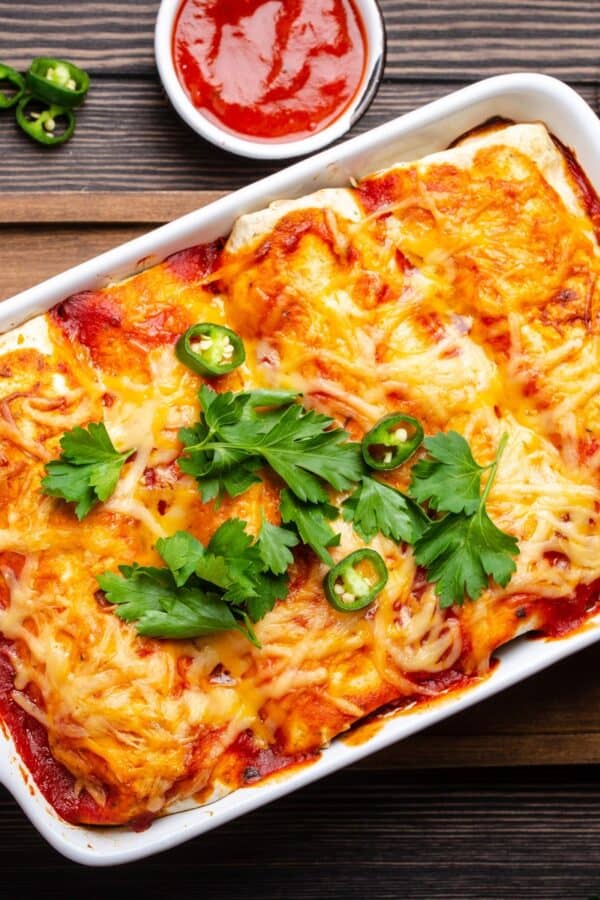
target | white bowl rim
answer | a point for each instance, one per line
(209, 129)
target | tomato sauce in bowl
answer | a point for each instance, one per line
(272, 70)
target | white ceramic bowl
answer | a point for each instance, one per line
(522, 97)
(246, 146)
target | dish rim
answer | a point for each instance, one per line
(211, 130)
(434, 125)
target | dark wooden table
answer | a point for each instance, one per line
(503, 801)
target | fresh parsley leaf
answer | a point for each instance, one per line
(377, 507)
(234, 564)
(311, 522)
(269, 589)
(147, 586)
(230, 539)
(261, 401)
(239, 433)
(227, 408)
(87, 470)
(274, 545)
(70, 483)
(223, 472)
(228, 584)
(460, 552)
(194, 615)
(160, 608)
(181, 552)
(217, 571)
(91, 445)
(450, 479)
(303, 448)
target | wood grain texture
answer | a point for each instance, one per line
(47, 250)
(129, 138)
(471, 38)
(99, 207)
(426, 38)
(370, 836)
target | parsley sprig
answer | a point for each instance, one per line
(449, 479)
(239, 433)
(87, 470)
(311, 521)
(377, 507)
(464, 548)
(229, 584)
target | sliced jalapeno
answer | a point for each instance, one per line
(356, 580)
(58, 82)
(10, 78)
(47, 124)
(392, 441)
(210, 349)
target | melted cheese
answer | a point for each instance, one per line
(253, 227)
(461, 289)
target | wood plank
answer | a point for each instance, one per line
(357, 836)
(128, 138)
(457, 751)
(448, 39)
(100, 207)
(45, 250)
(477, 38)
(102, 37)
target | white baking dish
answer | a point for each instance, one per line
(520, 97)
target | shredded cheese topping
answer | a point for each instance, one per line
(461, 289)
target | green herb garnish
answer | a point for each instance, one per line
(236, 579)
(450, 479)
(311, 521)
(239, 433)
(377, 507)
(462, 550)
(231, 583)
(274, 547)
(150, 597)
(87, 470)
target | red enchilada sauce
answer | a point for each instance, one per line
(279, 69)
(31, 738)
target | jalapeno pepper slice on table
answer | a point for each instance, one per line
(391, 442)
(40, 121)
(210, 349)
(16, 81)
(356, 580)
(58, 82)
